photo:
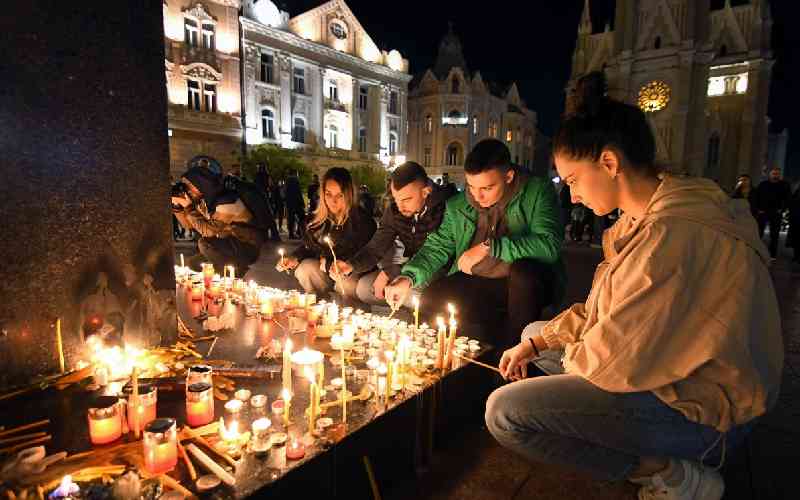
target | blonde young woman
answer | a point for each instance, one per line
(348, 228)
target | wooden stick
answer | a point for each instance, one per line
(25, 427)
(211, 465)
(175, 485)
(12, 449)
(82, 454)
(188, 461)
(476, 362)
(205, 443)
(22, 437)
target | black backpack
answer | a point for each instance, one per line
(253, 198)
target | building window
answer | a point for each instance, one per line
(362, 140)
(338, 30)
(333, 91)
(208, 36)
(299, 81)
(475, 125)
(452, 155)
(190, 32)
(657, 44)
(210, 97)
(427, 160)
(193, 94)
(393, 103)
(509, 136)
(333, 136)
(492, 129)
(268, 124)
(392, 144)
(267, 67)
(363, 97)
(299, 130)
(456, 84)
(429, 124)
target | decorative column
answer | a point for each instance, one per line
(285, 100)
(355, 114)
(384, 121)
(318, 103)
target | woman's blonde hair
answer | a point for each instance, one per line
(342, 177)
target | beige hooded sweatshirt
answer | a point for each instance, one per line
(683, 305)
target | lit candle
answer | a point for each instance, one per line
(415, 301)
(267, 308)
(67, 489)
(145, 411)
(233, 411)
(197, 291)
(287, 366)
(452, 310)
(160, 446)
(281, 252)
(199, 404)
(287, 408)
(105, 420)
(380, 381)
(389, 373)
(208, 273)
(182, 263)
(260, 430)
(295, 449)
(199, 373)
(233, 272)
(450, 344)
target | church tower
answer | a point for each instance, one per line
(700, 74)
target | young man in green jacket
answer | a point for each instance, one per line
(502, 240)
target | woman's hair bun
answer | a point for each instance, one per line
(589, 95)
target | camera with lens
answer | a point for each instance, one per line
(178, 190)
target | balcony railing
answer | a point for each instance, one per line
(335, 105)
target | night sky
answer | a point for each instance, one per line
(531, 43)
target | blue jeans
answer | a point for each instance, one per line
(563, 419)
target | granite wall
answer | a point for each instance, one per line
(84, 193)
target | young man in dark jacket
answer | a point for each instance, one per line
(503, 236)
(416, 211)
(772, 198)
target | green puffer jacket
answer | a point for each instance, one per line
(535, 231)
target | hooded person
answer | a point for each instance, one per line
(229, 232)
(678, 347)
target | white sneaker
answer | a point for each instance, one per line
(699, 483)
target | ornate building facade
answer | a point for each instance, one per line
(201, 45)
(451, 109)
(701, 72)
(318, 83)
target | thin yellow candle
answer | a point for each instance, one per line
(60, 345)
(344, 389)
(281, 253)
(182, 262)
(287, 405)
(287, 366)
(415, 301)
(389, 371)
(312, 397)
(440, 344)
(451, 340)
(452, 310)
(233, 272)
(135, 402)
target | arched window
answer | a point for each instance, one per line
(456, 84)
(453, 154)
(333, 136)
(474, 124)
(362, 140)
(299, 130)
(657, 44)
(267, 124)
(392, 144)
(429, 124)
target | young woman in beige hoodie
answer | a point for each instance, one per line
(678, 347)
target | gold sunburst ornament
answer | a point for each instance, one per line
(654, 96)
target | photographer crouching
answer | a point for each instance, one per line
(227, 212)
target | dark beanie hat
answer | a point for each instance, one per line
(206, 181)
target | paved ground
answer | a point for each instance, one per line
(472, 466)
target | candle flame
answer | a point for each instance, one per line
(451, 309)
(440, 321)
(288, 346)
(327, 240)
(415, 301)
(309, 374)
(280, 251)
(286, 395)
